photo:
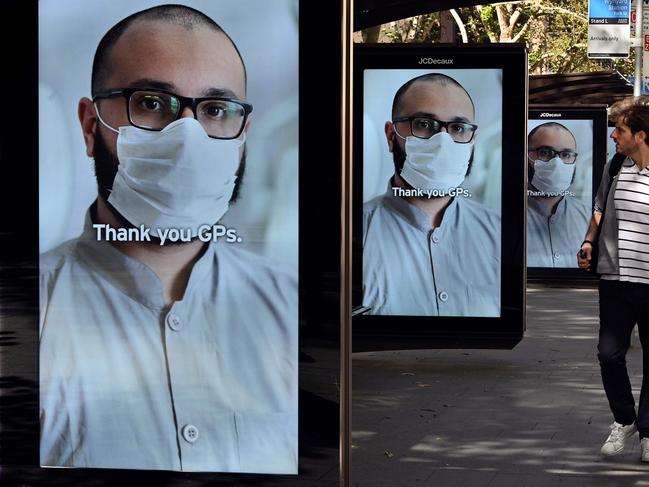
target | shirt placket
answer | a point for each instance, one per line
(440, 295)
(204, 426)
(552, 228)
(192, 433)
(187, 426)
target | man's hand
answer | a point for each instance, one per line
(584, 255)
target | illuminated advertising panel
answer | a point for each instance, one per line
(436, 159)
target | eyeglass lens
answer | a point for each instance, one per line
(425, 128)
(547, 153)
(154, 110)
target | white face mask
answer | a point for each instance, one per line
(176, 178)
(435, 164)
(553, 176)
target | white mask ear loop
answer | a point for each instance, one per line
(110, 190)
(242, 140)
(102, 121)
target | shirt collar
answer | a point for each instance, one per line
(628, 162)
(129, 275)
(543, 209)
(415, 216)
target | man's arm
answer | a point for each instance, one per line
(586, 250)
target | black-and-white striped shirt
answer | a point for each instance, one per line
(632, 211)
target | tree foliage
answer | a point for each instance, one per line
(555, 32)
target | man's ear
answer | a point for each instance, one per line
(389, 134)
(641, 136)
(88, 120)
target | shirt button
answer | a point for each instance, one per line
(435, 238)
(556, 255)
(443, 296)
(174, 322)
(190, 433)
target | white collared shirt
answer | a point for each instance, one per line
(209, 384)
(410, 269)
(553, 240)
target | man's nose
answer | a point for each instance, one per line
(187, 113)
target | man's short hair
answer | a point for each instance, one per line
(616, 109)
(636, 117)
(619, 107)
(548, 125)
(172, 14)
(434, 78)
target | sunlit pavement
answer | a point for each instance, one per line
(532, 416)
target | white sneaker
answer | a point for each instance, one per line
(614, 444)
(644, 449)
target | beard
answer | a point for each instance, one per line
(399, 158)
(106, 164)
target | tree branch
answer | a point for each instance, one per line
(502, 21)
(490, 33)
(551, 8)
(514, 18)
(522, 31)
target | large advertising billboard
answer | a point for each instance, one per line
(432, 137)
(437, 164)
(169, 236)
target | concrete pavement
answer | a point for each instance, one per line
(532, 416)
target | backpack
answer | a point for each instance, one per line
(613, 169)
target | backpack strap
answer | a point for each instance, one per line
(616, 164)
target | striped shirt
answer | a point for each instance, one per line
(632, 212)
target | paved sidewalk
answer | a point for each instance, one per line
(534, 416)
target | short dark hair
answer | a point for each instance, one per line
(636, 117)
(617, 108)
(548, 125)
(173, 14)
(434, 78)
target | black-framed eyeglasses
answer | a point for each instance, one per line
(222, 118)
(426, 127)
(545, 153)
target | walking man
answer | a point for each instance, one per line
(619, 228)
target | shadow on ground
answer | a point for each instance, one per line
(532, 416)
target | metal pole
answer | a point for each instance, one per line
(639, 36)
(346, 244)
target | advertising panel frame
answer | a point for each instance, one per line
(319, 348)
(596, 113)
(385, 332)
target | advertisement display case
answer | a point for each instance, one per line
(439, 196)
(566, 153)
(132, 154)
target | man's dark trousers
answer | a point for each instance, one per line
(621, 306)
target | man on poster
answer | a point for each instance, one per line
(429, 249)
(157, 354)
(556, 219)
